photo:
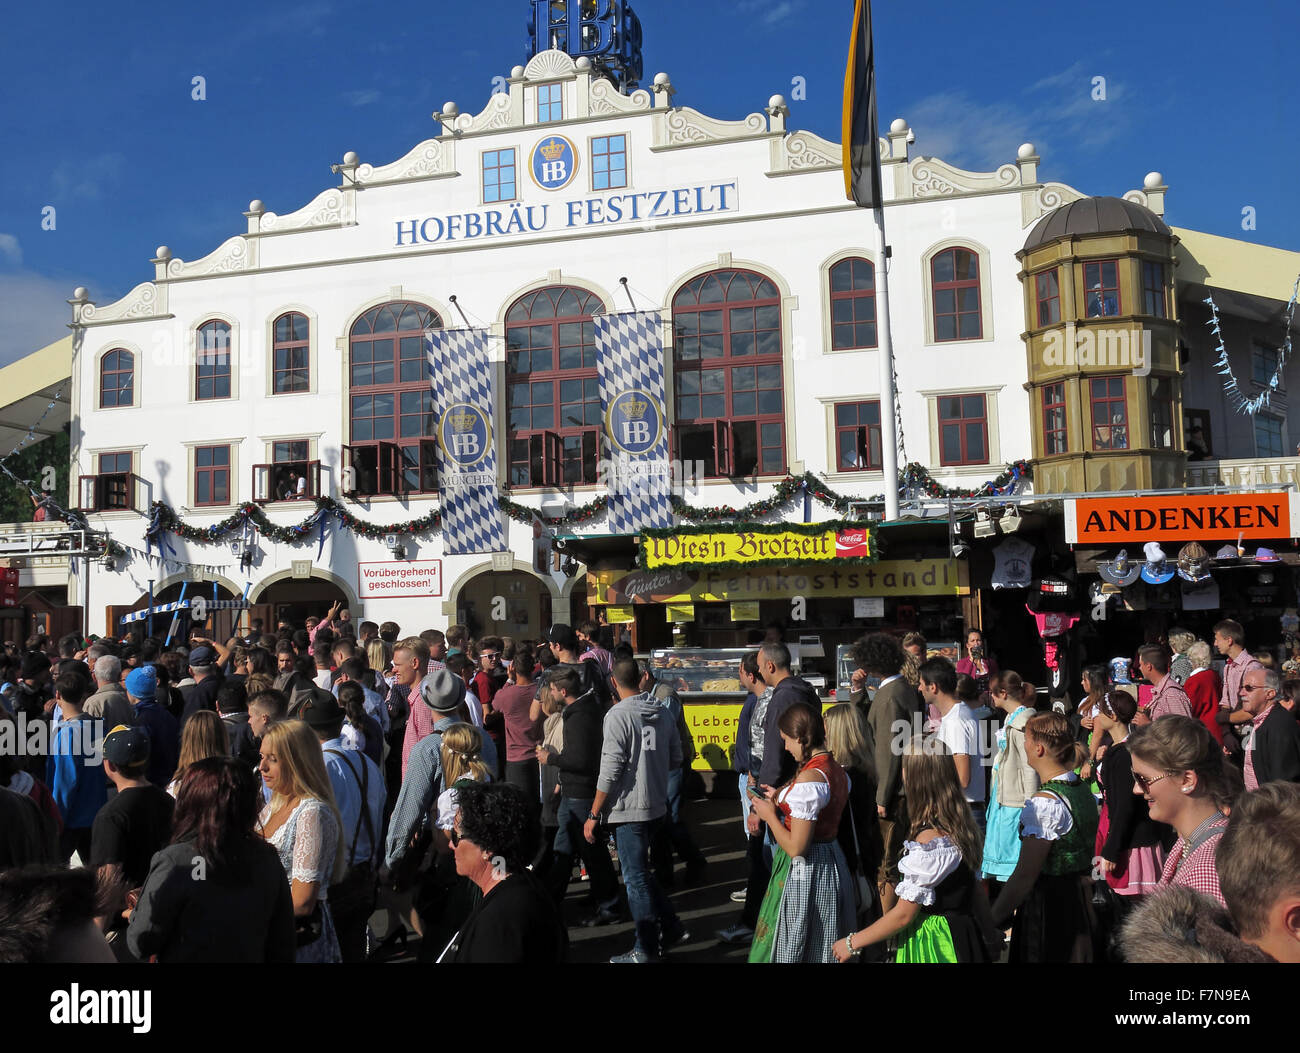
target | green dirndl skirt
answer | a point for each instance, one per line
(769, 915)
(929, 942)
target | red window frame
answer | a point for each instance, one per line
(1154, 289)
(1094, 273)
(954, 419)
(1048, 297)
(959, 308)
(556, 448)
(853, 305)
(113, 480)
(214, 473)
(212, 360)
(729, 375)
(119, 365)
(388, 390)
(291, 378)
(1056, 433)
(1112, 433)
(858, 434)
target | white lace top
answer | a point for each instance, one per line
(1046, 818)
(448, 804)
(924, 867)
(307, 843)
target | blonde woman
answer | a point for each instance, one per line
(847, 735)
(1180, 668)
(379, 655)
(462, 762)
(942, 913)
(204, 736)
(302, 823)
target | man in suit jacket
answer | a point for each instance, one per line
(202, 694)
(1273, 745)
(892, 720)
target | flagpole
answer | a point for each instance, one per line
(888, 394)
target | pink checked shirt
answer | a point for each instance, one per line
(1252, 782)
(1168, 699)
(419, 724)
(1234, 674)
(1197, 871)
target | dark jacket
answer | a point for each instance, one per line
(202, 695)
(1277, 747)
(742, 759)
(516, 923)
(896, 701)
(1130, 825)
(164, 740)
(243, 745)
(594, 680)
(778, 766)
(26, 836)
(241, 912)
(579, 764)
(865, 852)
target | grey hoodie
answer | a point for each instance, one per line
(641, 746)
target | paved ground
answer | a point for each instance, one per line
(705, 907)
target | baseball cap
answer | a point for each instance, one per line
(202, 656)
(142, 682)
(126, 747)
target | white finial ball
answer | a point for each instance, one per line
(1153, 180)
(450, 109)
(79, 293)
(1026, 151)
(350, 158)
(583, 64)
(517, 73)
(775, 102)
(255, 206)
(163, 253)
(899, 125)
(661, 79)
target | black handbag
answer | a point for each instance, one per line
(307, 930)
(359, 889)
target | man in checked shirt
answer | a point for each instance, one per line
(1230, 641)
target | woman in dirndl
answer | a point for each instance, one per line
(810, 901)
(1013, 779)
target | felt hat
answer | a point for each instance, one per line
(1194, 563)
(1157, 570)
(443, 691)
(1120, 571)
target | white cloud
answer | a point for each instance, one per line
(769, 13)
(362, 98)
(33, 313)
(10, 249)
(86, 177)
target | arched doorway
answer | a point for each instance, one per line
(522, 600)
(178, 625)
(294, 600)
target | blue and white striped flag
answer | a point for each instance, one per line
(630, 366)
(460, 372)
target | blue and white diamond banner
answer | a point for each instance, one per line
(630, 367)
(460, 373)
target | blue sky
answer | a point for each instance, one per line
(104, 128)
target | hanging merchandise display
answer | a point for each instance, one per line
(1157, 570)
(1013, 564)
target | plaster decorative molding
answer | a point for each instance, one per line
(328, 209)
(688, 127)
(496, 114)
(550, 65)
(143, 301)
(432, 158)
(607, 99)
(231, 257)
(934, 178)
(804, 150)
(1138, 197)
(1047, 198)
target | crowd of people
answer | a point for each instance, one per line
(272, 797)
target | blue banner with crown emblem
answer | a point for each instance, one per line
(630, 367)
(460, 373)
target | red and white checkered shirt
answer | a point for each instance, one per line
(1168, 699)
(1198, 871)
(1248, 770)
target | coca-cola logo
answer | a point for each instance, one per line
(851, 543)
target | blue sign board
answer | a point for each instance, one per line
(605, 31)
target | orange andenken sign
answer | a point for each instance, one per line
(1193, 517)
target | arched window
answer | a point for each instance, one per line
(552, 394)
(955, 275)
(390, 403)
(290, 366)
(853, 305)
(212, 361)
(730, 391)
(117, 379)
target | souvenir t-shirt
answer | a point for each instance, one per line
(1012, 562)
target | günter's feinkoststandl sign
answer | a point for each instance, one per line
(1176, 517)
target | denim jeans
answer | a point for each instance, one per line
(569, 841)
(645, 896)
(674, 834)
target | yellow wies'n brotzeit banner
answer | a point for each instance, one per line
(799, 547)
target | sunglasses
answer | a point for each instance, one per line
(1146, 783)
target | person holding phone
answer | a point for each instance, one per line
(978, 663)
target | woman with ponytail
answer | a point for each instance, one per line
(1013, 779)
(1050, 894)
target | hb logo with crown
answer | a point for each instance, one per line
(634, 423)
(554, 163)
(465, 435)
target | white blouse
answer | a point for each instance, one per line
(807, 799)
(448, 804)
(924, 867)
(1046, 818)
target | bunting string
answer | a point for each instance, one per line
(1231, 389)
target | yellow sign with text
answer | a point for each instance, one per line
(756, 547)
(901, 578)
(712, 728)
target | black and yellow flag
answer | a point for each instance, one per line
(861, 150)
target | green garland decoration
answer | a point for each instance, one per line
(163, 518)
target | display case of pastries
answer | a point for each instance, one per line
(695, 672)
